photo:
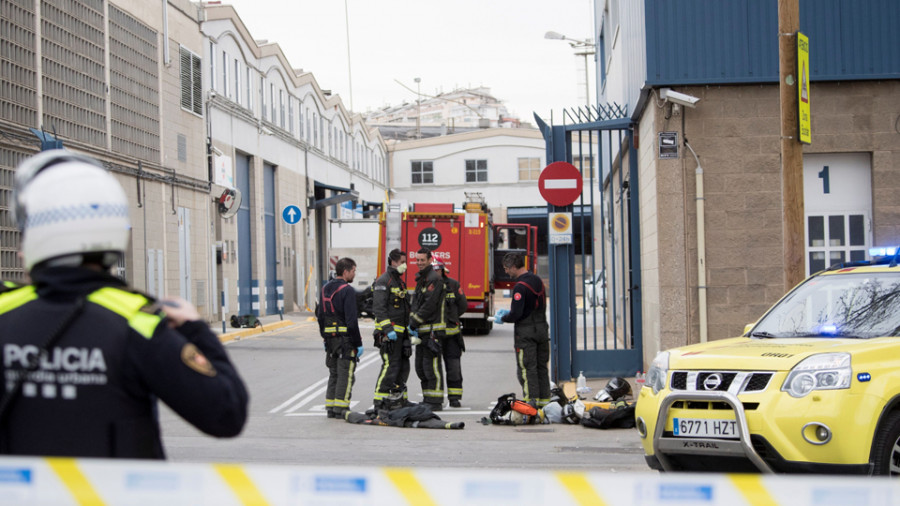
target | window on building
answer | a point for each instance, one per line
(422, 172)
(262, 97)
(290, 114)
(191, 83)
(272, 100)
(237, 81)
(583, 163)
(476, 171)
(281, 108)
(529, 168)
(249, 89)
(212, 66)
(225, 91)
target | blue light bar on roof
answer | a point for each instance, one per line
(883, 252)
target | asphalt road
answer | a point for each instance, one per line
(285, 373)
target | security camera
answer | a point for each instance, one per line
(216, 151)
(670, 95)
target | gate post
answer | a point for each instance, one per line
(563, 314)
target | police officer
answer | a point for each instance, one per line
(391, 308)
(424, 321)
(338, 325)
(85, 357)
(452, 344)
(532, 333)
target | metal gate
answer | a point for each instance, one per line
(594, 282)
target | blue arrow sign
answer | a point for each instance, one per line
(291, 214)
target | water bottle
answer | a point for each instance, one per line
(639, 380)
(581, 387)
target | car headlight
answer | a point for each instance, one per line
(825, 371)
(659, 370)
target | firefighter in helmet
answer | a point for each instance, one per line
(85, 356)
(532, 332)
(390, 305)
(425, 322)
(452, 344)
(338, 326)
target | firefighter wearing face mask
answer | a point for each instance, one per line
(452, 344)
(390, 305)
(425, 322)
(85, 357)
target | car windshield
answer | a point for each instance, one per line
(857, 305)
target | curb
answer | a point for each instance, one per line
(239, 334)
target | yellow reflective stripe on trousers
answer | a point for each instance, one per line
(74, 480)
(335, 329)
(520, 356)
(413, 491)
(452, 331)
(241, 484)
(384, 369)
(578, 485)
(345, 402)
(752, 488)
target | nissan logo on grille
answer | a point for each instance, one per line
(712, 381)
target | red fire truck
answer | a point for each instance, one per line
(469, 243)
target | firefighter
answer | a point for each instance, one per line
(424, 322)
(452, 344)
(85, 357)
(532, 333)
(391, 308)
(338, 325)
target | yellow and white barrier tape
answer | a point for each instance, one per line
(26, 481)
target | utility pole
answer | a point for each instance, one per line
(791, 148)
(418, 107)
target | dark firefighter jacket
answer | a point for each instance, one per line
(529, 302)
(455, 302)
(94, 394)
(428, 301)
(390, 302)
(336, 312)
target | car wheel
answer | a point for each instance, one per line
(886, 447)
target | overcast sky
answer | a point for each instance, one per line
(499, 44)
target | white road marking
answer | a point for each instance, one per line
(316, 389)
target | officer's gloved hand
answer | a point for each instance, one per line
(498, 317)
(359, 352)
(414, 337)
(392, 336)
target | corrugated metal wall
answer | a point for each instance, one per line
(735, 41)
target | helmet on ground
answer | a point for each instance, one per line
(69, 209)
(569, 415)
(615, 389)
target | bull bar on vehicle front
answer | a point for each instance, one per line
(699, 445)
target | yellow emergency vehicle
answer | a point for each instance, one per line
(813, 386)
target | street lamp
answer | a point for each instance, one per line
(582, 48)
(418, 107)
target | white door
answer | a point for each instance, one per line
(837, 193)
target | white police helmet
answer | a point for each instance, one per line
(68, 206)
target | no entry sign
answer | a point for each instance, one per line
(560, 183)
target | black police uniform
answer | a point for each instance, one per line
(339, 328)
(452, 344)
(94, 393)
(391, 307)
(532, 337)
(426, 320)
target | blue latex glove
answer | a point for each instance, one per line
(392, 336)
(413, 333)
(359, 352)
(498, 317)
